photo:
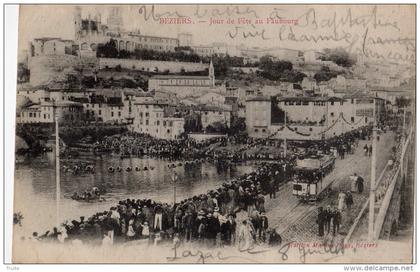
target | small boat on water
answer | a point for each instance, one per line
(94, 195)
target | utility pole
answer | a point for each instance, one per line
(405, 109)
(371, 231)
(285, 138)
(57, 166)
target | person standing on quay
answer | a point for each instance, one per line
(320, 220)
(341, 198)
(328, 213)
(336, 221)
(349, 200)
(359, 182)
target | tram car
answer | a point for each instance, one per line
(309, 172)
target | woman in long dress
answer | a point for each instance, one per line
(341, 198)
(245, 237)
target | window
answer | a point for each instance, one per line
(147, 122)
(112, 114)
(332, 114)
(332, 103)
(45, 116)
(170, 123)
(147, 114)
(164, 123)
(352, 119)
(256, 130)
(263, 130)
(119, 114)
(310, 129)
(30, 114)
(99, 112)
(158, 123)
(168, 131)
(141, 114)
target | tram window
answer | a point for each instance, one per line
(297, 187)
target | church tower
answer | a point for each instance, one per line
(211, 74)
(115, 20)
(77, 24)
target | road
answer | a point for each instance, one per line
(296, 221)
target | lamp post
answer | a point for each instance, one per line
(371, 229)
(285, 139)
(57, 166)
(174, 178)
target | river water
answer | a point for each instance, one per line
(35, 186)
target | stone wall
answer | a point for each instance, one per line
(45, 69)
(151, 65)
(199, 137)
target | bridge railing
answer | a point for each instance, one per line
(387, 183)
(380, 218)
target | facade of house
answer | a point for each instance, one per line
(183, 86)
(210, 115)
(258, 116)
(312, 118)
(151, 118)
(44, 112)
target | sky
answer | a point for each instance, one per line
(382, 30)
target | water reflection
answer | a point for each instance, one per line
(35, 185)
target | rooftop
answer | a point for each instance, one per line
(259, 98)
(212, 108)
(179, 77)
(311, 98)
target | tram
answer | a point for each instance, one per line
(309, 183)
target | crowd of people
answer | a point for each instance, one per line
(209, 219)
(136, 144)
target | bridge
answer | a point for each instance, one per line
(394, 196)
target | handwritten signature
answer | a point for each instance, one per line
(202, 256)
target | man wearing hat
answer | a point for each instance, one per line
(213, 228)
(262, 233)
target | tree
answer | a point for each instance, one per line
(325, 74)
(277, 115)
(238, 125)
(88, 82)
(107, 50)
(23, 73)
(339, 56)
(217, 127)
(274, 70)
